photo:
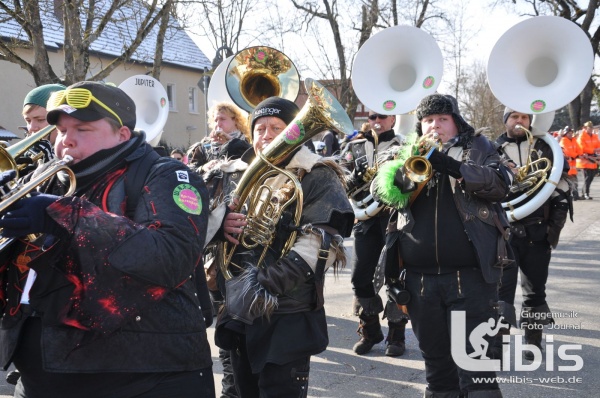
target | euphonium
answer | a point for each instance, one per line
(18, 190)
(264, 205)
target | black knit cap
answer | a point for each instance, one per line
(439, 104)
(281, 108)
(111, 96)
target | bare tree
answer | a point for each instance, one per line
(83, 23)
(579, 108)
(478, 104)
(223, 21)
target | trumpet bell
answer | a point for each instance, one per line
(410, 70)
(540, 64)
(151, 105)
(257, 73)
(418, 169)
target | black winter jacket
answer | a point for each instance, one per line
(484, 182)
(118, 294)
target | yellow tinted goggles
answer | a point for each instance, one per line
(78, 98)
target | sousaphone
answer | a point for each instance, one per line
(392, 72)
(537, 67)
(151, 105)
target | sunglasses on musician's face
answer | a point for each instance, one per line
(78, 98)
(375, 116)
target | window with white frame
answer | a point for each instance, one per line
(171, 96)
(193, 99)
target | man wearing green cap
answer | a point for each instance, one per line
(34, 113)
(34, 107)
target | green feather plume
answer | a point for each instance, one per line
(383, 184)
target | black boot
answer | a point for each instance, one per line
(533, 337)
(396, 339)
(13, 377)
(369, 329)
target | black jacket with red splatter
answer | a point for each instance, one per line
(116, 294)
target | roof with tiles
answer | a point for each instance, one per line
(179, 48)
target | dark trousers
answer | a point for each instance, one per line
(289, 380)
(228, 389)
(433, 298)
(533, 261)
(369, 239)
(589, 175)
(35, 382)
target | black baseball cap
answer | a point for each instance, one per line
(113, 97)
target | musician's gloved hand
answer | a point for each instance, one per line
(445, 164)
(360, 167)
(401, 180)
(5, 178)
(29, 216)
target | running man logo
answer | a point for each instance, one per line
(480, 345)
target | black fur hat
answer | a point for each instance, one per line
(439, 104)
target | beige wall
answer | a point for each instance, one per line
(182, 128)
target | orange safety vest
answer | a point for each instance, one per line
(572, 151)
(588, 143)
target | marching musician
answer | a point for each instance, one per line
(589, 145)
(571, 150)
(271, 342)
(534, 236)
(113, 308)
(369, 238)
(443, 245)
(34, 113)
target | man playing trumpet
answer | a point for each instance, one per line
(447, 242)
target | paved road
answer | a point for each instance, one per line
(572, 288)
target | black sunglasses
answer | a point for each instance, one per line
(375, 116)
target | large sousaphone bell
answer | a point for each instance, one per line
(396, 68)
(537, 67)
(151, 105)
(253, 75)
(409, 67)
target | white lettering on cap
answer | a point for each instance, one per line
(267, 111)
(66, 108)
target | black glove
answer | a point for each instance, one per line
(28, 216)
(402, 181)
(445, 164)
(360, 167)
(25, 160)
(5, 178)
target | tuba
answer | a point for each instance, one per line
(264, 206)
(151, 105)
(252, 75)
(395, 86)
(17, 189)
(548, 67)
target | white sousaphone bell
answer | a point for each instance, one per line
(537, 67)
(252, 75)
(151, 105)
(409, 67)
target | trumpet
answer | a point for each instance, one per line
(18, 190)
(417, 167)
